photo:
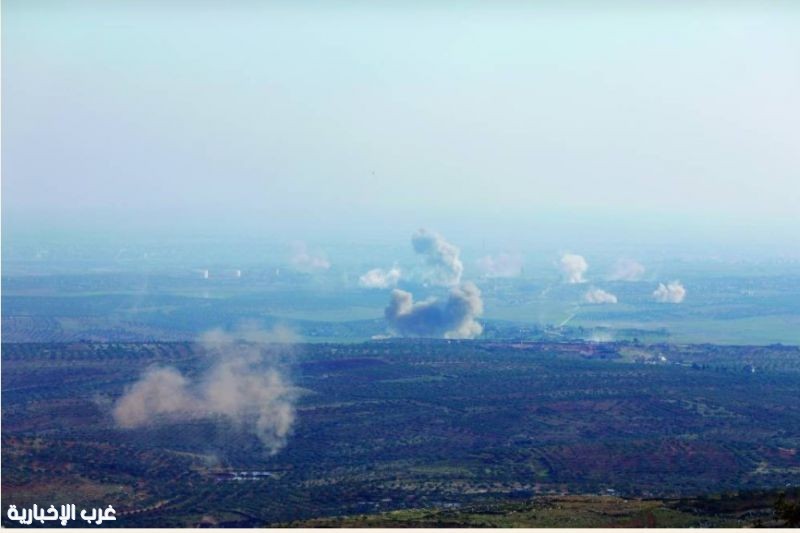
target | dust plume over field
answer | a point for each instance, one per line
(244, 384)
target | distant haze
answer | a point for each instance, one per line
(564, 123)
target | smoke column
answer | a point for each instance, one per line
(573, 267)
(440, 255)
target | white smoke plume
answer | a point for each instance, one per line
(672, 293)
(377, 278)
(573, 267)
(243, 385)
(306, 261)
(599, 296)
(440, 255)
(601, 336)
(627, 270)
(451, 319)
(501, 266)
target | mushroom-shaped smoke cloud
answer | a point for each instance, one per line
(573, 267)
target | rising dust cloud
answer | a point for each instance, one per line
(244, 385)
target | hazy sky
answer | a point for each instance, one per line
(350, 117)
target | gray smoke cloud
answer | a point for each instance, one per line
(627, 270)
(501, 266)
(573, 267)
(671, 293)
(453, 318)
(599, 296)
(377, 278)
(243, 384)
(307, 261)
(440, 255)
